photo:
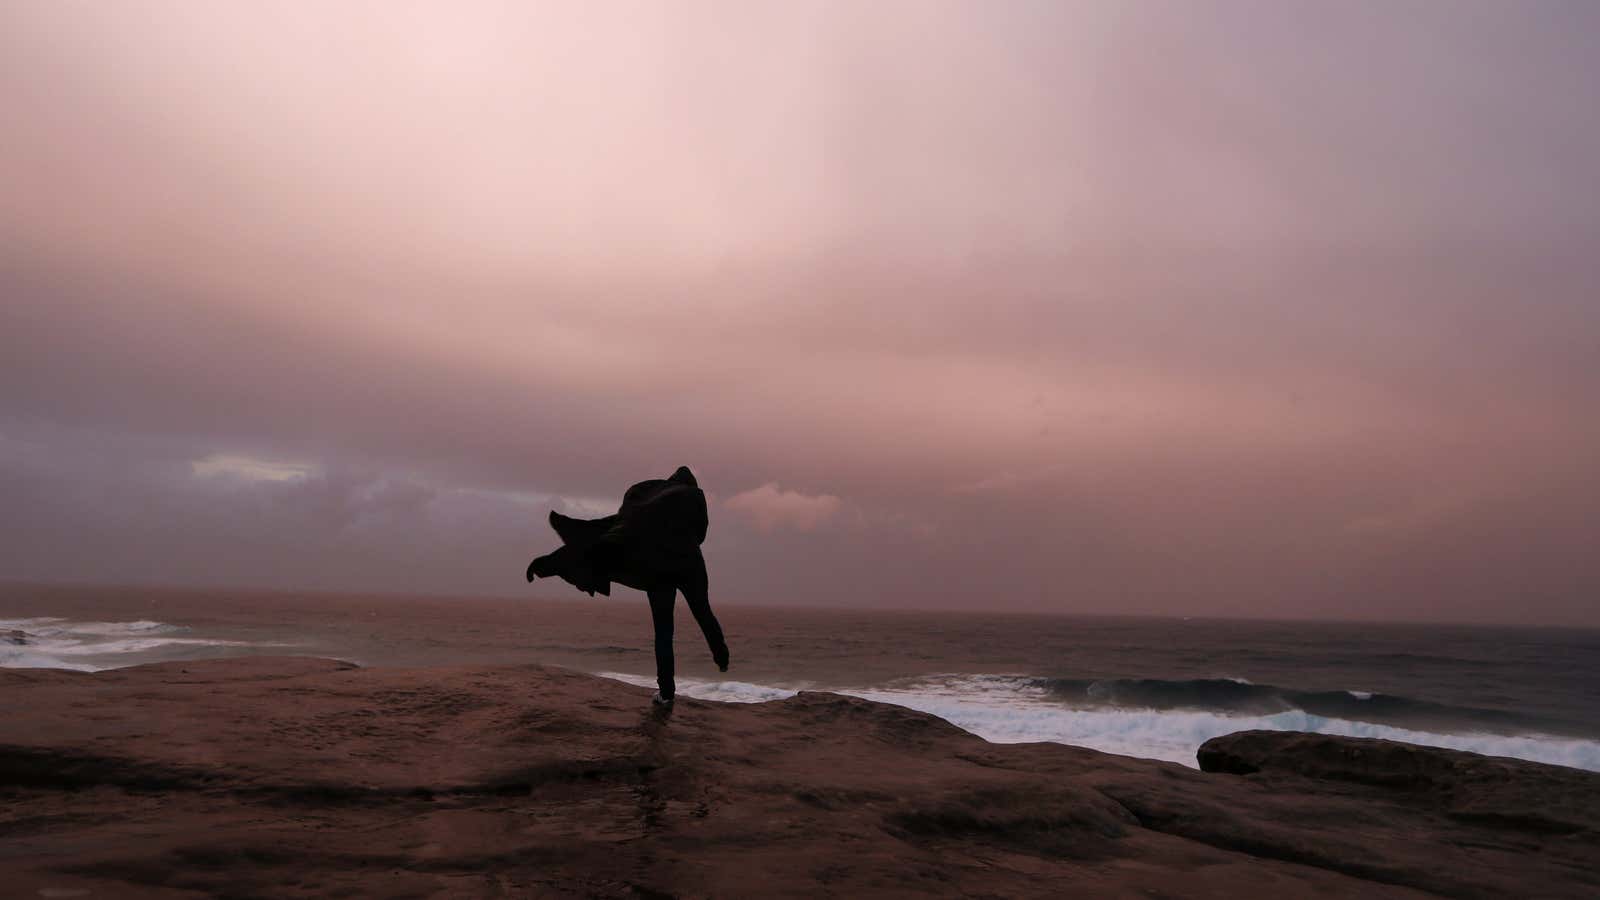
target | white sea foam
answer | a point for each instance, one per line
(724, 691)
(1008, 709)
(113, 629)
(48, 626)
(52, 642)
(140, 645)
(12, 657)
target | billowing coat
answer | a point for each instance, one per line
(653, 540)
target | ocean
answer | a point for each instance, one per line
(1148, 687)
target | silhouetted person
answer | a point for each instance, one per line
(652, 544)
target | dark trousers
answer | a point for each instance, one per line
(661, 600)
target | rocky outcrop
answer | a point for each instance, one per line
(306, 778)
(1512, 793)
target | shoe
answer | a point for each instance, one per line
(660, 700)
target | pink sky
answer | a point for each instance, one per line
(1239, 308)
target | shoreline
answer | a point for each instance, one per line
(1005, 708)
(296, 776)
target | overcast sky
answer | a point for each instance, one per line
(1232, 308)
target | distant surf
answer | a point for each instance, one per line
(50, 642)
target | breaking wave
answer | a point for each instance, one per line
(1020, 709)
(1238, 697)
(50, 642)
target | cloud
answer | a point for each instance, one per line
(249, 468)
(770, 507)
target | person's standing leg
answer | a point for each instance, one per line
(661, 615)
(697, 594)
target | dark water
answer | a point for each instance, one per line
(1149, 687)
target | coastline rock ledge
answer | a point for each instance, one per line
(301, 777)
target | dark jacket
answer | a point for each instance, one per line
(654, 537)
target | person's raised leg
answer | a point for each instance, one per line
(661, 617)
(697, 594)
